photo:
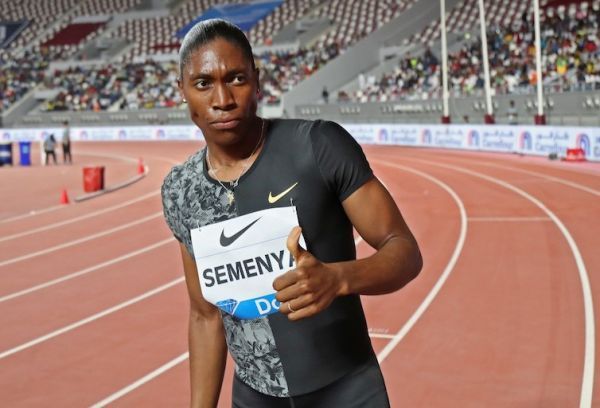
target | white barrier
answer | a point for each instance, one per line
(107, 133)
(535, 140)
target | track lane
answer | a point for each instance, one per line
(557, 375)
(148, 387)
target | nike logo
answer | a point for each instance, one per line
(274, 199)
(226, 241)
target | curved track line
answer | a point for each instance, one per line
(89, 319)
(82, 217)
(79, 241)
(541, 175)
(56, 207)
(383, 354)
(86, 270)
(587, 384)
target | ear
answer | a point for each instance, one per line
(180, 87)
(257, 74)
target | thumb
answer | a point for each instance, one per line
(293, 244)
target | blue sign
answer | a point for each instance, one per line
(9, 30)
(251, 308)
(245, 16)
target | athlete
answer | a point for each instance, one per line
(315, 351)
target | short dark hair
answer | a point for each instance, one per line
(208, 30)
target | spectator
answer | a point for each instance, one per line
(512, 113)
(325, 95)
(49, 146)
(66, 143)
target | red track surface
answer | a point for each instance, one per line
(503, 325)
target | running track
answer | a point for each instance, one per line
(93, 307)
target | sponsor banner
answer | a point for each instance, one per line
(184, 132)
(238, 259)
(535, 140)
(365, 134)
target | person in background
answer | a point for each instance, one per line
(49, 146)
(512, 113)
(325, 95)
(66, 143)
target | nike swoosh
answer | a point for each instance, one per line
(274, 199)
(226, 241)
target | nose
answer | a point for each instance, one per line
(223, 97)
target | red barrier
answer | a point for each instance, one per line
(575, 155)
(93, 178)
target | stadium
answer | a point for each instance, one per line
(484, 126)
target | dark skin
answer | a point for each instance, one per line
(220, 85)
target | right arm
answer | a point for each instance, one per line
(208, 350)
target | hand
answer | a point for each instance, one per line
(308, 289)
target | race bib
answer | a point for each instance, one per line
(238, 260)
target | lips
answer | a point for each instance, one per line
(225, 124)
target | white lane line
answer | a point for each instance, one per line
(79, 241)
(86, 270)
(587, 383)
(125, 158)
(541, 175)
(32, 213)
(148, 377)
(508, 219)
(383, 354)
(82, 217)
(166, 367)
(381, 336)
(89, 319)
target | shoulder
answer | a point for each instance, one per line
(301, 128)
(183, 173)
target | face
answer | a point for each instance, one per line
(221, 89)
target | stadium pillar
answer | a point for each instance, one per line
(445, 95)
(486, 65)
(539, 118)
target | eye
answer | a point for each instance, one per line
(239, 79)
(201, 83)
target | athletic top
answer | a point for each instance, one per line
(274, 355)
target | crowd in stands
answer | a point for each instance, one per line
(281, 71)
(132, 86)
(570, 43)
(19, 74)
(570, 48)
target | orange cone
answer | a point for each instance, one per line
(141, 169)
(64, 197)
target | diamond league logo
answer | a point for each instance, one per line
(122, 135)
(426, 136)
(382, 136)
(583, 141)
(6, 136)
(473, 138)
(160, 134)
(525, 141)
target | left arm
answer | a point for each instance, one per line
(313, 285)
